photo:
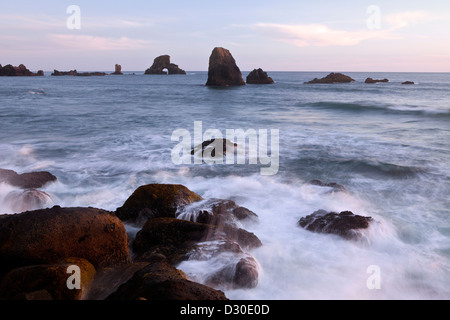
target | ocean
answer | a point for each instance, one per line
(388, 144)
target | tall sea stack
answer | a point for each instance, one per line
(223, 71)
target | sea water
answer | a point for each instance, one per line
(386, 143)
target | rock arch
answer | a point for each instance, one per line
(163, 62)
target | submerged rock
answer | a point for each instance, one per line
(332, 78)
(408, 82)
(370, 80)
(345, 224)
(49, 235)
(258, 76)
(77, 74)
(155, 200)
(222, 70)
(163, 62)
(29, 180)
(334, 185)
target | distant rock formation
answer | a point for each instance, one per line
(258, 76)
(332, 78)
(20, 71)
(118, 70)
(223, 71)
(408, 82)
(370, 80)
(163, 62)
(76, 73)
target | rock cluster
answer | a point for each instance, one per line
(77, 74)
(163, 62)
(20, 71)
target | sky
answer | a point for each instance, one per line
(282, 35)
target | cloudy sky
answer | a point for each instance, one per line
(282, 35)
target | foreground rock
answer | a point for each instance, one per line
(77, 74)
(222, 70)
(163, 62)
(332, 78)
(161, 281)
(213, 146)
(118, 70)
(23, 283)
(155, 200)
(50, 235)
(27, 180)
(258, 76)
(345, 224)
(177, 237)
(20, 71)
(370, 80)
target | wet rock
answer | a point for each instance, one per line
(155, 200)
(408, 82)
(50, 235)
(222, 70)
(370, 80)
(29, 180)
(213, 146)
(345, 224)
(38, 282)
(161, 281)
(332, 78)
(163, 62)
(175, 238)
(218, 212)
(258, 76)
(26, 200)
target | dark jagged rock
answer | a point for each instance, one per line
(345, 224)
(21, 282)
(258, 76)
(408, 82)
(222, 70)
(49, 235)
(163, 62)
(161, 281)
(370, 80)
(77, 74)
(29, 180)
(118, 70)
(210, 146)
(332, 78)
(155, 200)
(20, 71)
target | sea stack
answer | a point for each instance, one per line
(223, 71)
(258, 76)
(118, 70)
(163, 62)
